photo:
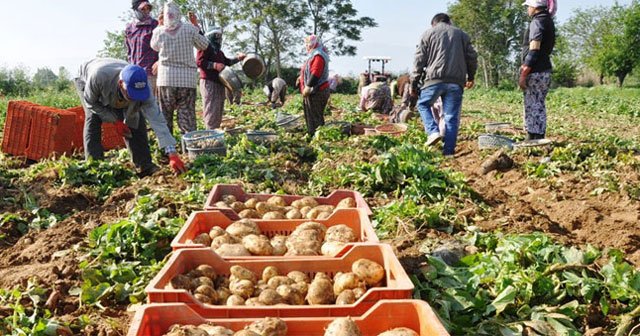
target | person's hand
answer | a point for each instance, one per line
(469, 84)
(241, 56)
(122, 129)
(298, 81)
(193, 18)
(176, 164)
(161, 19)
(413, 92)
(524, 73)
(218, 66)
(154, 68)
(307, 91)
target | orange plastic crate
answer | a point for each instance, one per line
(17, 127)
(110, 138)
(51, 132)
(417, 315)
(236, 190)
(202, 222)
(397, 282)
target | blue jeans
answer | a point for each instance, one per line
(451, 104)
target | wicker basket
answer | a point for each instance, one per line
(391, 129)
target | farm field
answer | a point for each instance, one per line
(550, 246)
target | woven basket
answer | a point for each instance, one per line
(487, 141)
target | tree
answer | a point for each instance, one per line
(114, 46)
(495, 28)
(337, 22)
(43, 78)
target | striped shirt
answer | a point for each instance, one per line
(138, 38)
(177, 65)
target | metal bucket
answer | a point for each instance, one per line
(253, 66)
(230, 79)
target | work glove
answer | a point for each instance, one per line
(122, 129)
(307, 91)
(176, 163)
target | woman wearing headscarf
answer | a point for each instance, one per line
(314, 83)
(177, 70)
(211, 62)
(535, 72)
(138, 40)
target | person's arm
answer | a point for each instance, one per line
(535, 43)
(471, 58)
(420, 62)
(155, 39)
(151, 112)
(91, 96)
(199, 41)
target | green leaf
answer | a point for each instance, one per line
(500, 303)
(604, 305)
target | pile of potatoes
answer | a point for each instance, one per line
(243, 287)
(244, 238)
(345, 326)
(276, 208)
(266, 327)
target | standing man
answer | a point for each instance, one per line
(276, 90)
(138, 40)
(314, 83)
(445, 63)
(535, 72)
(113, 91)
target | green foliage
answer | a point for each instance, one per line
(515, 281)
(101, 175)
(114, 46)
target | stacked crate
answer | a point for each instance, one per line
(380, 308)
(17, 127)
(110, 138)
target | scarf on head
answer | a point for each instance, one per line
(552, 7)
(172, 17)
(142, 19)
(314, 45)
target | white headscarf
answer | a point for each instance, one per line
(172, 17)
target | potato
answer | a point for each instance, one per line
(298, 276)
(287, 208)
(320, 292)
(346, 297)
(242, 288)
(369, 271)
(243, 227)
(222, 282)
(223, 295)
(232, 250)
(185, 330)
(212, 330)
(249, 214)
(216, 231)
(274, 215)
(260, 287)
(294, 214)
(332, 248)
(245, 333)
(222, 205)
(325, 208)
(258, 245)
(305, 210)
(278, 280)
(312, 214)
(315, 226)
(207, 270)
(277, 201)
(301, 287)
(270, 297)
(241, 273)
(264, 207)
(344, 281)
(253, 302)
(228, 199)
(237, 206)
(203, 239)
(251, 203)
(235, 300)
(359, 292)
(324, 215)
(203, 298)
(269, 326)
(340, 233)
(221, 240)
(208, 291)
(290, 295)
(181, 281)
(269, 272)
(309, 201)
(321, 275)
(278, 243)
(343, 326)
(348, 202)
(203, 280)
(399, 332)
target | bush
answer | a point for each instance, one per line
(564, 74)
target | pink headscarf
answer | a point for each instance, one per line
(313, 42)
(172, 17)
(552, 7)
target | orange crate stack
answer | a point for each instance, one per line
(397, 284)
(216, 193)
(51, 133)
(17, 127)
(203, 221)
(110, 138)
(384, 315)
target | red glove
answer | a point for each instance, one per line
(122, 129)
(176, 163)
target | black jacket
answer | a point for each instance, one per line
(540, 29)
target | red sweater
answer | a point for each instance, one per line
(317, 69)
(206, 56)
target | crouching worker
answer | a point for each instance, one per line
(377, 96)
(113, 91)
(276, 91)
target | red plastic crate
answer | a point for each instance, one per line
(202, 222)
(236, 190)
(17, 127)
(417, 315)
(51, 133)
(397, 282)
(110, 138)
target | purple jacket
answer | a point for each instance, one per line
(138, 38)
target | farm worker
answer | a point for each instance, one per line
(177, 70)
(445, 63)
(334, 81)
(376, 96)
(404, 91)
(363, 80)
(138, 40)
(535, 72)
(211, 62)
(314, 83)
(276, 91)
(234, 97)
(113, 91)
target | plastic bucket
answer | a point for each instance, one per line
(201, 140)
(253, 66)
(230, 79)
(487, 141)
(262, 137)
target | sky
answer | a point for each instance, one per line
(43, 33)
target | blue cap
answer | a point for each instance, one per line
(135, 79)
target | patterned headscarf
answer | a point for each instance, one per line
(172, 17)
(142, 18)
(313, 43)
